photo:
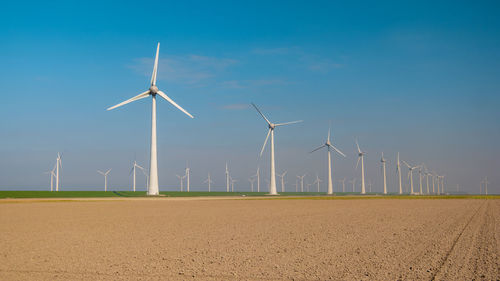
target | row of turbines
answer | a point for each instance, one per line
(152, 174)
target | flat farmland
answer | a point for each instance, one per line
(249, 239)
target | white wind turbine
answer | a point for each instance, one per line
(420, 178)
(353, 182)
(272, 126)
(251, 180)
(232, 184)
(398, 171)
(282, 176)
(133, 171)
(329, 145)
(258, 178)
(383, 160)
(52, 176)
(209, 182)
(187, 177)
(227, 178)
(58, 166)
(181, 178)
(410, 175)
(105, 174)
(301, 182)
(317, 181)
(485, 182)
(153, 91)
(343, 184)
(361, 155)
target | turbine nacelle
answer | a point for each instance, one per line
(153, 90)
(272, 126)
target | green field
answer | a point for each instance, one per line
(285, 195)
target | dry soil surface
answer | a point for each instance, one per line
(164, 239)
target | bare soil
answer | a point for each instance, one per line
(199, 239)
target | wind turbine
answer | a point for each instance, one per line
(58, 166)
(181, 178)
(272, 126)
(433, 175)
(485, 182)
(153, 91)
(232, 184)
(282, 176)
(301, 182)
(209, 181)
(133, 171)
(329, 145)
(426, 174)
(361, 156)
(187, 177)
(145, 172)
(343, 184)
(52, 176)
(420, 178)
(258, 178)
(353, 182)
(369, 185)
(383, 160)
(410, 175)
(398, 171)
(105, 174)
(317, 181)
(442, 184)
(227, 178)
(251, 180)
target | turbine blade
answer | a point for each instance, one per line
(407, 165)
(357, 145)
(138, 97)
(139, 167)
(318, 148)
(288, 123)
(163, 95)
(357, 163)
(155, 68)
(261, 114)
(340, 152)
(100, 172)
(265, 142)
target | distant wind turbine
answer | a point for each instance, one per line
(398, 171)
(153, 91)
(227, 178)
(361, 155)
(301, 182)
(181, 178)
(485, 182)
(343, 184)
(272, 126)
(52, 176)
(329, 146)
(420, 178)
(282, 176)
(232, 184)
(133, 171)
(353, 182)
(58, 166)
(251, 180)
(187, 177)
(383, 160)
(105, 174)
(209, 182)
(317, 181)
(410, 175)
(257, 175)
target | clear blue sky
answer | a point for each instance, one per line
(418, 77)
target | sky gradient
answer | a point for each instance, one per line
(418, 77)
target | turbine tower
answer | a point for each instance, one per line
(209, 181)
(227, 178)
(353, 182)
(301, 182)
(485, 182)
(258, 178)
(383, 160)
(282, 176)
(232, 184)
(134, 170)
(251, 180)
(272, 126)
(420, 178)
(153, 91)
(329, 145)
(105, 174)
(361, 156)
(317, 181)
(58, 166)
(343, 184)
(52, 176)
(187, 177)
(410, 175)
(398, 171)
(181, 178)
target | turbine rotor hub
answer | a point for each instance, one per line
(153, 89)
(272, 126)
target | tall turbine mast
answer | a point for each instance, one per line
(361, 156)
(58, 166)
(209, 181)
(272, 126)
(187, 177)
(153, 90)
(301, 182)
(282, 176)
(398, 171)
(105, 174)
(410, 175)
(227, 178)
(329, 146)
(383, 160)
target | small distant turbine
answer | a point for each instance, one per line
(105, 174)
(187, 177)
(329, 146)
(58, 166)
(133, 171)
(52, 176)
(301, 182)
(272, 126)
(361, 155)
(251, 180)
(383, 160)
(485, 182)
(343, 184)
(153, 91)
(181, 178)
(317, 181)
(398, 171)
(232, 184)
(420, 178)
(353, 182)
(257, 175)
(227, 178)
(410, 175)
(209, 182)
(282, 176)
